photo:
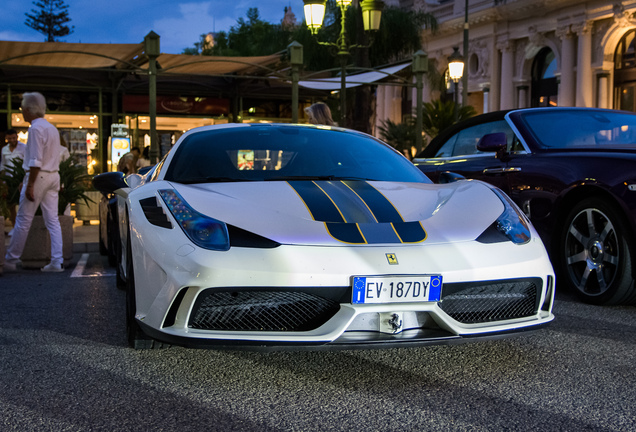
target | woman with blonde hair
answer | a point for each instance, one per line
(319, 113)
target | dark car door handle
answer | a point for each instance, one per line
(501, 170)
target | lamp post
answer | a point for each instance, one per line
(420, 67)
(314, 16)
(151, 47)
(465, 48)
(296, 59)
(455, 72)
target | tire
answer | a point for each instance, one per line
(137, 339)
(595, 257)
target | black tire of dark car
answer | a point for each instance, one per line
(137, 339)
(595, 257)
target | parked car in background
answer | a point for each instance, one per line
(573, 173)
(290, 236)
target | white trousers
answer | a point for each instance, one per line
(45, 192)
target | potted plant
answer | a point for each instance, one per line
(74, 182)
(4, 213)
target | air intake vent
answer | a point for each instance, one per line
(154, 213)
(491, 301)
(261, 311)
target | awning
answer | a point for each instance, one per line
(126, 56)
(68, 55)
(353, 80)
(213, 65)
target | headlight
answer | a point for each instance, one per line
(204, 231)
(512, 223)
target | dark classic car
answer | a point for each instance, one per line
(572, 171)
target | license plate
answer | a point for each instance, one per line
(396, 289)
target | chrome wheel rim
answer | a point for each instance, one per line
(592, 252)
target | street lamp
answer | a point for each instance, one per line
(314, 16)
(151, 47)
(455, 72)
(419, 68)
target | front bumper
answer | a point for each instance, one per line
(171, 280)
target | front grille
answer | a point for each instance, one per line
(261, 311)
(491, 301)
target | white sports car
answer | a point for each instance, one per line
(277, 236)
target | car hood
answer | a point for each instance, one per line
(337, 213)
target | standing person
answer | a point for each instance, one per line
(144, 160)
(64, 153)
(14, 149)
(128, 162)
(319, 113)
(40, 186)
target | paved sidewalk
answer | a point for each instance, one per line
(85, 237)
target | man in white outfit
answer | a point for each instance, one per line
(40, 186)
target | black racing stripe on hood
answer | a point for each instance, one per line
(321, 207)
(357, 213)
(380, 206)
(346, 232)
(410, 232)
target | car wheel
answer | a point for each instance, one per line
(595, 256)
(137, 339)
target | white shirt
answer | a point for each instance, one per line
(8, 155)
(43, 146)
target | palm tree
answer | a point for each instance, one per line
(438, 115)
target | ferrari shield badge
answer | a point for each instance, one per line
(392, 258)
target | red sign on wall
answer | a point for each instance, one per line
(177, 105)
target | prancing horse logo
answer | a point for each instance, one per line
(392, 258)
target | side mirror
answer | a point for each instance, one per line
(493, 142)
(449, 177)
(109, 182)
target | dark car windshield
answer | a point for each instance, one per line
(280, 152)
(581, 129)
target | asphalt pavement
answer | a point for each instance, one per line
(65, 366)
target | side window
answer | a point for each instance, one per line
(464, 143)
(447, 149)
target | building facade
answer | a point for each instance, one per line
(530, 53)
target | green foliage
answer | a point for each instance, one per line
(12, 177)
(400, 136)
(4, 206)
(249, 37)
(74, 182)
(50, 19)
(399, 35)
(438, 115)
(397, 38)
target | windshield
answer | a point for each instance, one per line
(582, 129)
(279, 152)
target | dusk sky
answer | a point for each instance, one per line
(179, 23)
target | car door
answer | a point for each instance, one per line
(459, 155)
